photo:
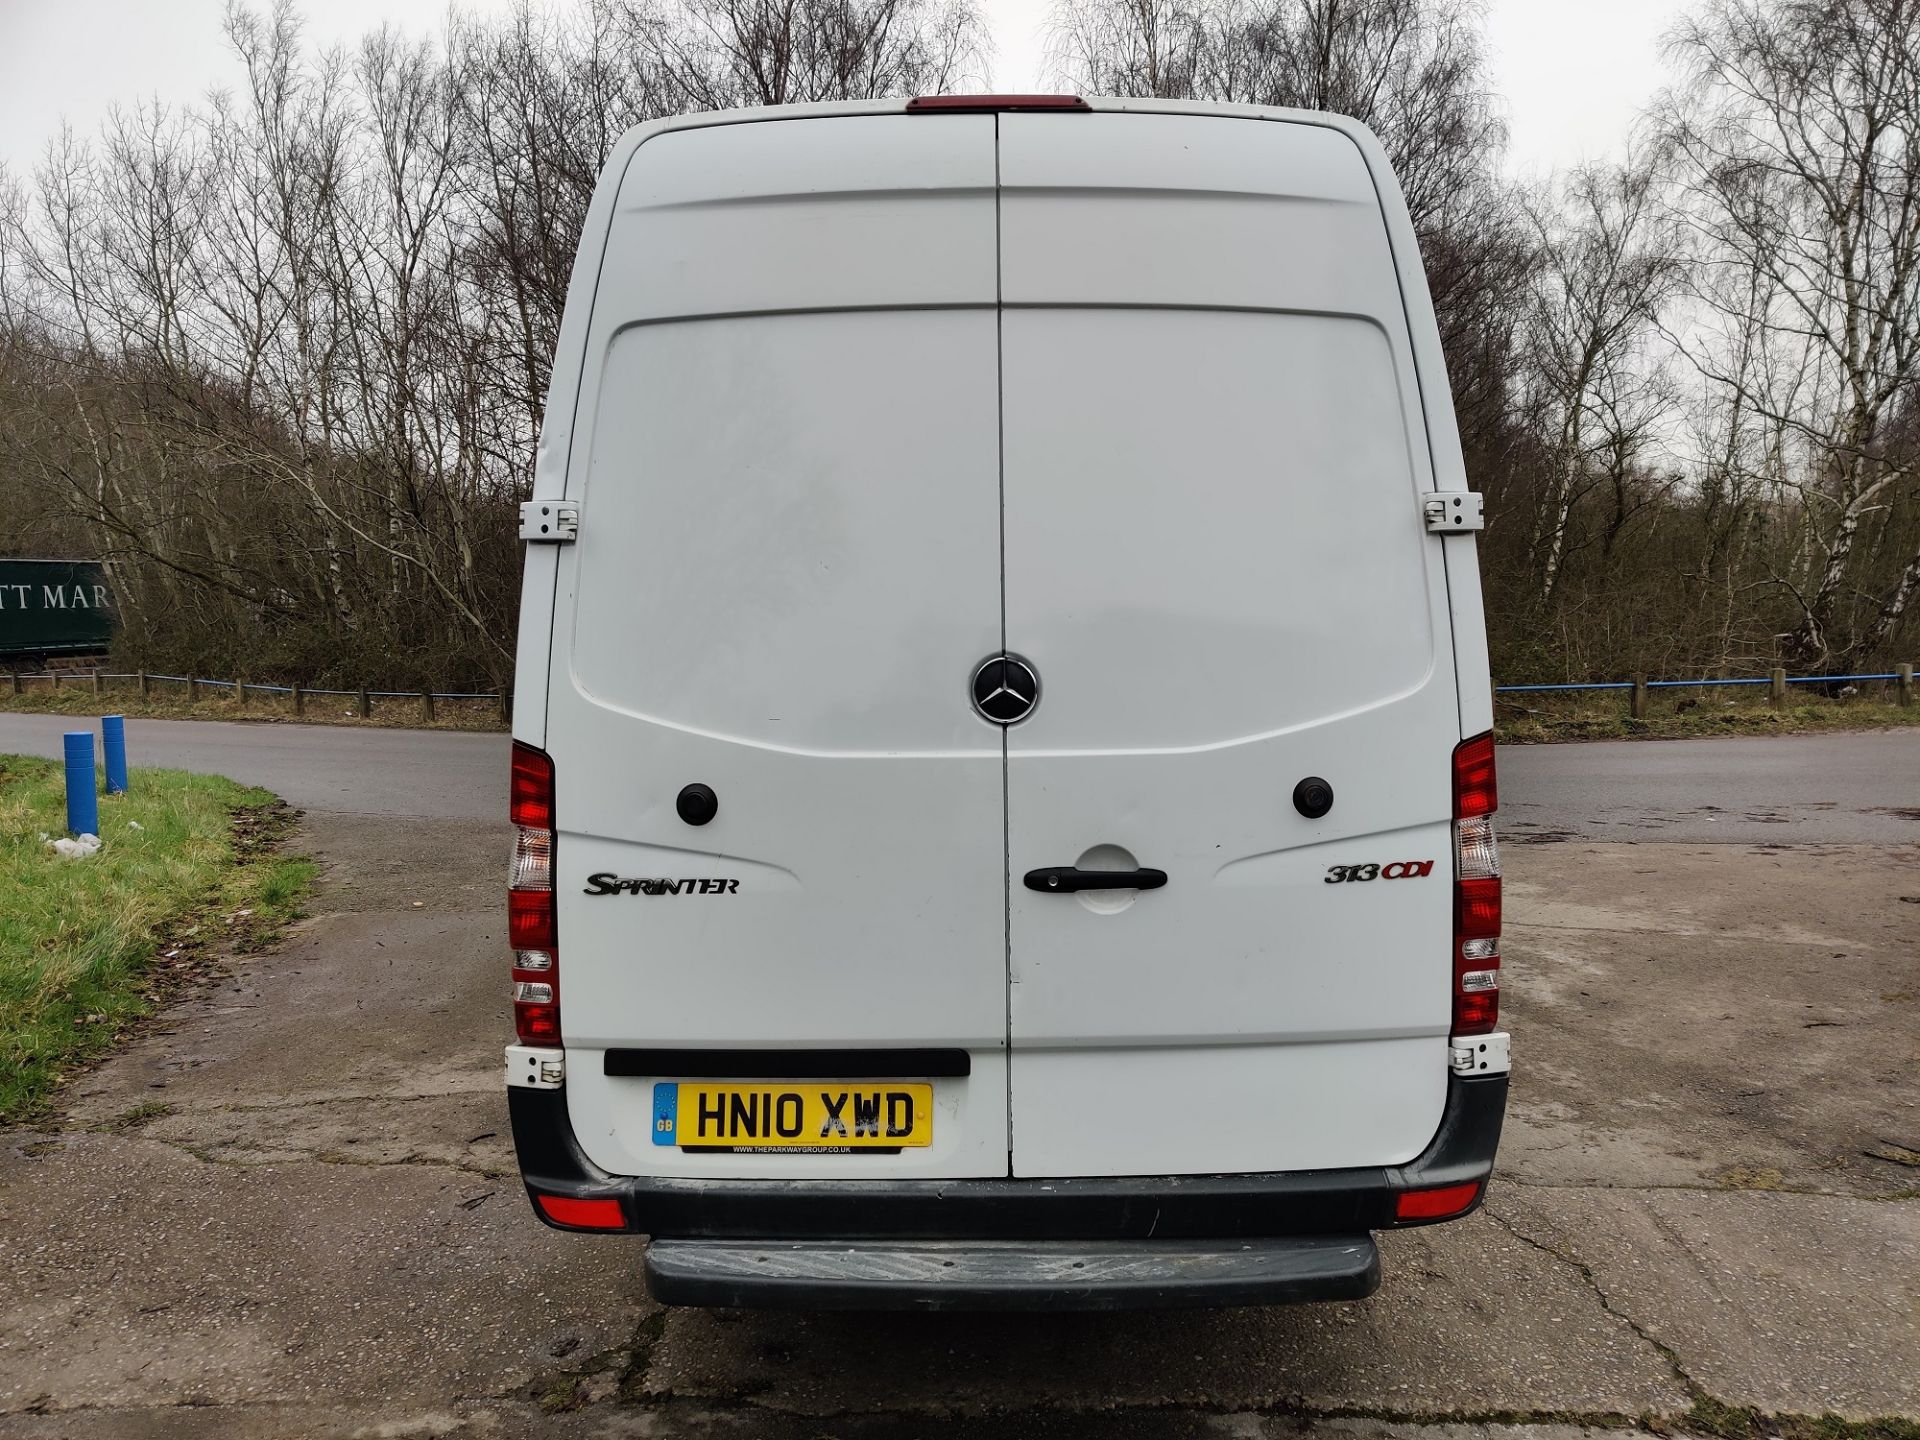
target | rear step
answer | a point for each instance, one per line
(1011, 1274)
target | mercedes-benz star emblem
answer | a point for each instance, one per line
(1005, 689)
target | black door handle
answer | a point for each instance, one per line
(1062, 878)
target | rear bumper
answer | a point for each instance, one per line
(1011, 1274)
(1342, 1204)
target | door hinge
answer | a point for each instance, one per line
(549, 522)
(536, 1067)
(1454, 512)
(1479, 1054)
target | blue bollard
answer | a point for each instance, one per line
(113, 736)
(83, 803)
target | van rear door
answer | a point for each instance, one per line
(1216, 563)
(788, 563)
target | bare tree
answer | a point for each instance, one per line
(1800, 134)
(1608, 262)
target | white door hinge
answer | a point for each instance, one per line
(536, 1067)
(1479, 1054)
(1455, 511)
(551, 522)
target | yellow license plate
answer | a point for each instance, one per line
(826, 1119)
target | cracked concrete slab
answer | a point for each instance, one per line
(1795, 1303)
(134, 1274)
(1713, 1015)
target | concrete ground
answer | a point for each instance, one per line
(1708, 1193)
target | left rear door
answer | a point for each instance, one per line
(787, 567)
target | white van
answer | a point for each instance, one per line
(1001, 753)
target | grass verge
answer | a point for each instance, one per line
(189, 869)
(169, 702)
(1688, 714)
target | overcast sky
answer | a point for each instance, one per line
(1573, 73)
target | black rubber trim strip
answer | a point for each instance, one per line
(1192, 1207)
(791, 1064)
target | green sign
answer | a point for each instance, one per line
(50, 607)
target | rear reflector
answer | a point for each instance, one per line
(976, 104)
(597, 1214)
(1440, 1204)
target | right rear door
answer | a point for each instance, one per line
(1215, 561)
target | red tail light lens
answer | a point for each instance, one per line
(1476, 1014)
(1477, 909)
(530, 793)
(1476, 890)
(530, 919)
(536, 1023)
(531, 928)
(1475, 791)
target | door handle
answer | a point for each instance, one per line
(1061, 879)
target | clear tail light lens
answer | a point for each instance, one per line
(532, 865)
(1476, 889)
(531, 929)
(1476, 853)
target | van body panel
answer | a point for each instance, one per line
(1212, 462)
(1204, 1109)
(794, 341)
(1192, 211)
(790, 566)
(852, 212)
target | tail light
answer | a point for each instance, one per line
(1476, 889)
(530, 922)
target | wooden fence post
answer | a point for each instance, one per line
(53, 679)
(96, 682)
(193, 690)
(506, 706)
(146, 686)
(366, 705)
(240, 693)
(16, 679)
(299, 701)
(1777, 689)
(1639, 697)
(1903, 683)
(426, 706)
